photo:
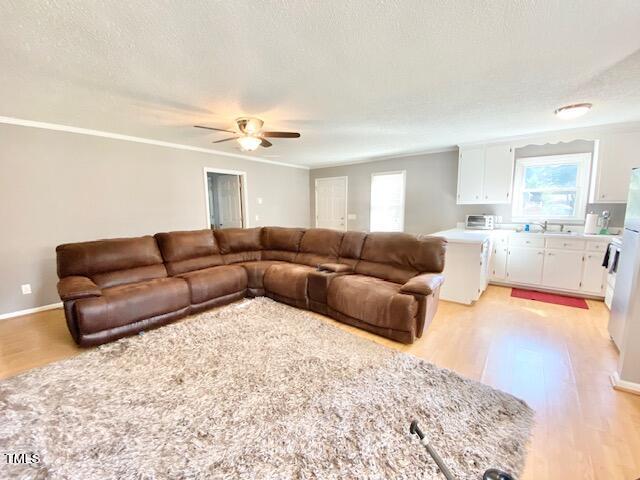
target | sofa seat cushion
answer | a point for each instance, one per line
(288, 280)
(256, 271)
(131, 303)
(215, 282)
(374, 301)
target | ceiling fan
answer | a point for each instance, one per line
(250, 135)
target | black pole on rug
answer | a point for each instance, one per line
(491, 474)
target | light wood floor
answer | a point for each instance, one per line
(556, 358)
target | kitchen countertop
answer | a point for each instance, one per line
(457, 235)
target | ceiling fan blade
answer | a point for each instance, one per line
(216, 129)
(225, 140)
(280, 134)
(266, 143)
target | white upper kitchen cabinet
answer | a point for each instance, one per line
(485, 174)
(524, 265)
(562, 269)
(498, 174)
(470, 175)
(618, 153)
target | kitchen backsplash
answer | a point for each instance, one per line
(617, 211)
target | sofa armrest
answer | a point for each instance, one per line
(75, 287)
(424, 284)
(336, 267)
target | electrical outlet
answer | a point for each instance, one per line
(259, 200)
(26, 289)
(257, 218)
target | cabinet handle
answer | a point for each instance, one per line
(550, 254)
(540, 253)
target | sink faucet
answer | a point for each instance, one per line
(544, 225)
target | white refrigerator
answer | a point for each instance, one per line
(624, 322)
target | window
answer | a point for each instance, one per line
(551, 188)
(387, 202)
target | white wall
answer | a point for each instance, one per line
(58, 187)
(431, 190)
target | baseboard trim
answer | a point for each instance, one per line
(27, 311)
(623, 385)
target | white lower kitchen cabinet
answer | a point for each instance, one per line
(594, 276)
(563, 263)
(562, 269)
(567, 264)
(524, 265)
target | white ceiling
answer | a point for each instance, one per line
(359, 79)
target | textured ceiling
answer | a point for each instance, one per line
(359, 79)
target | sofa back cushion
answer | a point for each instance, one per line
(188, 251)
(397, 257)
(318, 246)
(351, 247)
(112, 262)
(280, 243)
(239, 244)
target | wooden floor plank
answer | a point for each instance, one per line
(556, 358)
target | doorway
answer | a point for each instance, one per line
(225, 192)
(331, 203)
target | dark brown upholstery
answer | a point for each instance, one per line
(125, 304)
(397, 257)
(75, 287)
(255, 272)
(188, 251)
(279, 243)
(319, 245)
(288, 281)
(351, 247)
(102, 256)
(377, 301)
(238, 239)
(387, 283)
(215, 282)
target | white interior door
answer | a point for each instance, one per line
(229, 203)
(331, 203)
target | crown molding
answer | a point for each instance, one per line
(128, 138)
(385, 157)
(563, 135)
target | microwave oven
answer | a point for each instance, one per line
(480, 222)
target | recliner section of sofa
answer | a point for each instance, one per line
(386, 283)
(113, 288)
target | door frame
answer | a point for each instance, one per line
(244, 196)
(346, 197)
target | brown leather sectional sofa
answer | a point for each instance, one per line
(386, 283)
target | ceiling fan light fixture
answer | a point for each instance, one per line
(249, 143)
(573, 111)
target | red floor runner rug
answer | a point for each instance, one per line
(549, 298)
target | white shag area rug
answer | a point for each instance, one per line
(256, 390)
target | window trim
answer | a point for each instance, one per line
(404, 195)
(583, 160)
